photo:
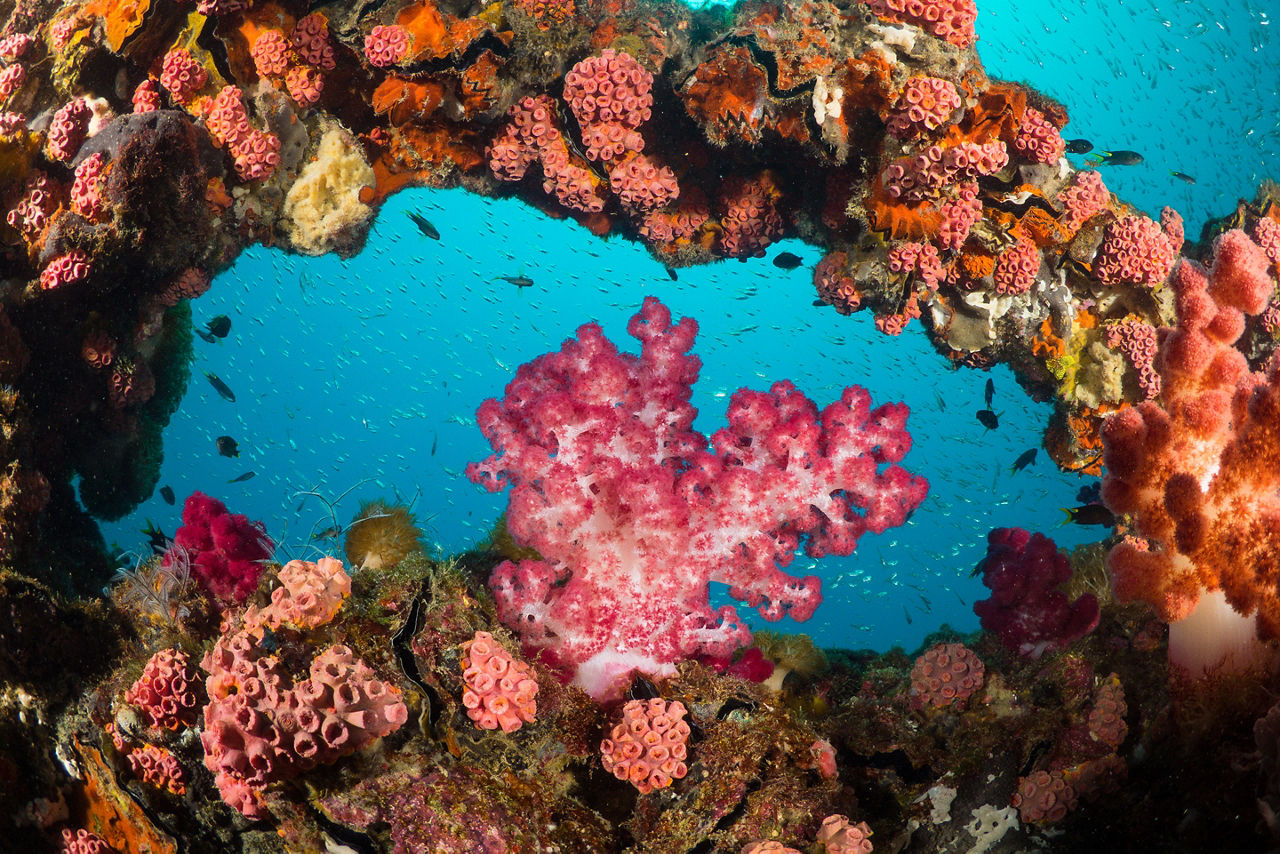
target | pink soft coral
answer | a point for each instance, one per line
(634, 515)
(225, 549)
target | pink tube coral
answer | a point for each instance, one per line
(649, 747)
(634, 515)
(500, 690)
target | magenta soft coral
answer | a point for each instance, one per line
(225, 549)
(634, 515)
(1027, 610)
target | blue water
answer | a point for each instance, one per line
(360, 379)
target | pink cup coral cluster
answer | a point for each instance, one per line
(1044, 796)
(1134, 251)
(168, 693)
(157, 767)
(256, 153)
(298, 58)
(610, 97)
(68, 130)
(841, 836)
(386, 45)
(924, 104)
(1138, 341)
(1084, 196)
(67, 268)
(499, 691)
(919, 258)
(310, 594)
(310, 41)
(83, 842)
(259, 728)
(182, 76)
(1038, 139)
(1016, 268)
(146, 97)
(649, 747)
(87, 189)
(947, 673)
(951, 20)
(749, 216)
(40, 198)
(915, 177)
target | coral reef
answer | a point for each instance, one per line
(423, 704)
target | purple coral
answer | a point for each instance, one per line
(1026, 610)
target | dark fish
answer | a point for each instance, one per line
(1090, 494)
(1025, 459)
(1079, 146)
(787, 260)
(988, 419)
(156, 538)
(518, 281)
(242, 478)
(1116, 158)
(820, 303)
(166, 492)
(424, 226)
(671, 271)
(1090, 514)
(435, 442)
(227, 447)
(220, 387)
(906, 614)
(990, 391)
(1182, 176)
(219, 326)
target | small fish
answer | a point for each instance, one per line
(220, 387)
(330, 533)
(906, 614)
(156, 539)
(435, 442)
(228, 447)
(1090, 493)
(990, 392)
(166, 492)
(424, 226)
(249, 475)
(518, 281)
(671, 271)
(219, 326)
(1025, 459)
(1116, 158)
(1079, 146)
(820, 303)
(787, 260)
(215, 329)
(988, 419)
(1182, 176)
(1090, 514)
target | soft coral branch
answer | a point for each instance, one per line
(634, 513)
